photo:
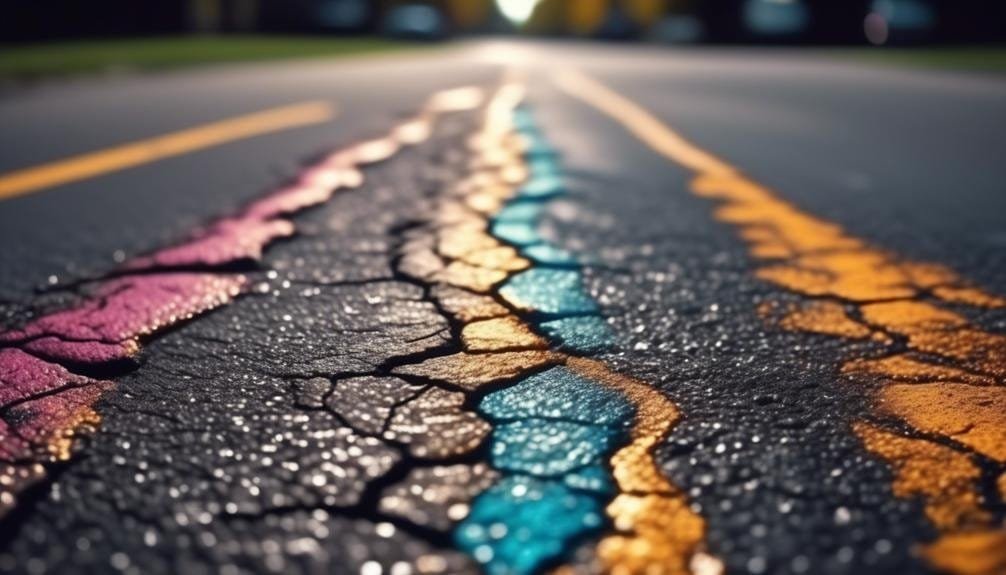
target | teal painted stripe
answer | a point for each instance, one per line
(552, 289)
(553, 432)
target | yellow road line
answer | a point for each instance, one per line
(960, 396)
(642, 124)
(93, 164)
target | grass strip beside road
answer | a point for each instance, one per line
(77, 57)
(968, 58)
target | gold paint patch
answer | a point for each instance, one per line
(972, 553)
(665, 532)
(912, 317)
(944, 478)
(478, 279)
(824, 317)
(972, 415)
(459, 239)
(499, 334)
(503, 258)
(968, 296)
(813, 257)
(657, 532)
(471, 371)
(903, 367)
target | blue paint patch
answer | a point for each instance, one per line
(537, 147)
(543, 168)
(548, 447)
(595, 478)
(549, 291)
(542, 187)
(558, 393)
(520, 211)
(549, 255)
(520, 524)
(523, 120)
(553, 432)
(520, 234)
(583, 335)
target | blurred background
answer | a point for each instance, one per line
(730, 21)
(185, 31)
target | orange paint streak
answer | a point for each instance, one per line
(657, 533)
(908, 369)
(970, 553)
(972, 415)
(941, 332)
(944, 478)
(898, 298)
(824, 317)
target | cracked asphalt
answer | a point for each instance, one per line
(517, 308)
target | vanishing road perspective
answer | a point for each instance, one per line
(508, 304)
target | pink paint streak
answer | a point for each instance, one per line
(109, 325)
(23, 376)
(40, 399)
(226, 242)
(46, 405)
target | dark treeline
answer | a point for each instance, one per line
(722, 21)
(841, 21)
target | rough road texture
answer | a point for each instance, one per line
(244, 442)
(398, 389)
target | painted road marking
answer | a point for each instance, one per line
(562, 443)
(946, 380)
(55, 406)
(93, 164)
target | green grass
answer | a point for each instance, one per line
(78, 57)
(981, 59)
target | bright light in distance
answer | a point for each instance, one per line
(517, 11)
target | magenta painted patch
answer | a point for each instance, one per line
(289, 200)
(328, 176)
(12, 446)
(42, 400)
(52, 347)
(227, 241)
(46, 404)
(43, 420)
(23, 376)
(108, 325)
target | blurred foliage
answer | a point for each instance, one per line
(99, 55)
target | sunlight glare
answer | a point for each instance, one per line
(517, 11)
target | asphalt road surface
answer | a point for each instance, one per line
(508, 307)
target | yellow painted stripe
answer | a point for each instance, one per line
(145, 151)
(960, 397)
(642, 124)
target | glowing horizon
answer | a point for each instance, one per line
(517, 11)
